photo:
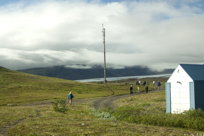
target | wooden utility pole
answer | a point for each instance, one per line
(104, 44)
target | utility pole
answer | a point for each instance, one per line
(104, 44)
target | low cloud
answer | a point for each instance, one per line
(158, 34)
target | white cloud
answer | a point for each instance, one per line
(153, 33)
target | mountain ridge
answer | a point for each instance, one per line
(95, 71)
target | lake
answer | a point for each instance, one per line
(121, 78)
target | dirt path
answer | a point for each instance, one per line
(5, 129)
(107, 102)
(95, 102)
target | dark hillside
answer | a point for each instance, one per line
(94, 72)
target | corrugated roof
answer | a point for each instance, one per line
(195, 71)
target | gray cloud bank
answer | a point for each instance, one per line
(157, 34)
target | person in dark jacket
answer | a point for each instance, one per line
(144, 83)
(146, 89)
(70, 97)
(158, 85)
(131, 89)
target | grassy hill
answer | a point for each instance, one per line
(17, 87)
(142, 114)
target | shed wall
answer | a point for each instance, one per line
(192, 95)
(199, 94)
(180, 94)
(168, 97)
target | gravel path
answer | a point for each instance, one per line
(107, 102)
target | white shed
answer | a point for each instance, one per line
(185, 88)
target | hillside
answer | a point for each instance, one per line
(92, 72)
(17, 87)
(26, 108)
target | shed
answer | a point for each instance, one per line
(185, 88)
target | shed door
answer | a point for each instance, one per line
(175, 98)
(180, 97)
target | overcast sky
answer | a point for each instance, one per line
(155, 33)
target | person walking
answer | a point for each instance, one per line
(146, 89)
(153, 84)
(138, 89)
(144, 83)
(158, 85)
(137, 82)
(131, 89)
(138, 85)
(70, 97)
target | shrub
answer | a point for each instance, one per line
(194, 113)
(60, 106)
(104, 115)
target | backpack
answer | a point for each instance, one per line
(70, 96)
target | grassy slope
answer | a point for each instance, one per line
(42, 120)
(16, 87)
(79, 121)
(150, 109)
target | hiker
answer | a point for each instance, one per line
(144, 83)
(137, 82)
(146, 89)
(138, 88)
(131, 89)
(70, 97)
(153, 83)
(138, 85)
(158, 85)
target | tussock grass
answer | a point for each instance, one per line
(60, 106)
(79, 120)
(150, 109)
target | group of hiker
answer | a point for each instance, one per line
(70, 96)
(144, 84)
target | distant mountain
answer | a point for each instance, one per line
(95, 71)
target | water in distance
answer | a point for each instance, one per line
(121, 78)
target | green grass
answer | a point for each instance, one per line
(149, 109)
(79, 120)
(18, 89)
(9, 114)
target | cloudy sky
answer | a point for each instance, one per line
(155, 33)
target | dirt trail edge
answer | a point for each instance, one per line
(107, 102)
(5, 129)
